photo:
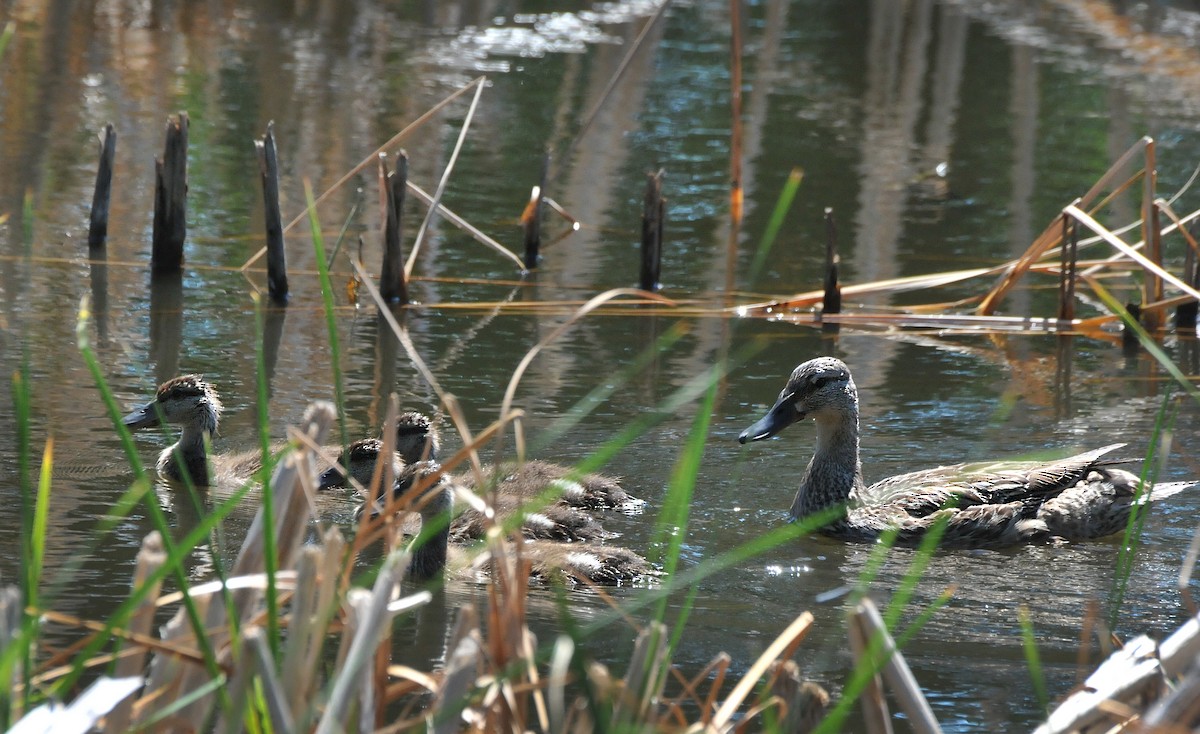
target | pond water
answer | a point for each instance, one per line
(1027, 104)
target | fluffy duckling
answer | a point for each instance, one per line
(984, 505)
(551, 561)
(417, 439)
(557, 521)
(192, 403)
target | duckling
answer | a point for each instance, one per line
(557, 521)
(984, 505)
(417, 439)
(191, 402)
(569, 563)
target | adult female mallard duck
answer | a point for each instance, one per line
(423, 486)
(191, 402)
(556, 521)
(984, 505)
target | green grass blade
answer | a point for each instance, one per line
(1029, 643)
(270, 558)
(330, 314)
(782, 205)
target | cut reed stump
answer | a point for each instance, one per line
(98, 224)
(268, 168)
(653, 214)
(832, 302)
(531, 218)
(170, 199)
(392, 285)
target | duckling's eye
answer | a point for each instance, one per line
(819, 382)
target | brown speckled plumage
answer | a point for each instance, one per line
(191, 403)
(984, 505)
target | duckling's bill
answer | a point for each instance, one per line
(145, 416)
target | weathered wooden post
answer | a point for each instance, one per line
(98, 224)
(170, 199)
(653, 213)
(392, 287)
(268, 168)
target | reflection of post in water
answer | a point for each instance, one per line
(166, 323)
(99, 278)
(1062, 376)
(387, 347)
(272, 335)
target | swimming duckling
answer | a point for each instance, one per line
(191, 402)
(417, 439)
(984, 505)
(556, 521)
(551, 561)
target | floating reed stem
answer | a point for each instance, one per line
(170, 199)
(653, 212)
(98, 226)
(832, 303)
(392, 284)
(531, 218)
(268, 168)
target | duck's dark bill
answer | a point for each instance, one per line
(780, 416)
(144, 417)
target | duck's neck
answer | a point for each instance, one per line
(835, 471)
(432, 545)
(191, 451)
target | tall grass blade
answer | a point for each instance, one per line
(330, 314)
(175, 557)
(1032, 659)
(20, 653)
(786, 196)
(270, 559)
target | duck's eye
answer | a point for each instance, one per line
(819, 382)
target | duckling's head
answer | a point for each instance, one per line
(416, 438)
(359, 461)
(820, 388)
(189, 401)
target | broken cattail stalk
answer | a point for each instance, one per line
(170, 199)
(531, 218)
(392, 285)
(875, 711)
(1185, 314)
(268, 168)
(653, 210)
(832, 303)
(899, 678)
(149, 559)
(1069, 259)
(98, 226)
(1152, 284)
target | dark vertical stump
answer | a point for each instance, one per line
(531, 220)
(653, 213)
(832, 302)
(170, 199)
(268, 168)
(392, 287)
(1066, 281)
(98, 272)
(387, 353)
(98, 225)
(1129, 340)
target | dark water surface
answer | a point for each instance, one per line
(1026, 104)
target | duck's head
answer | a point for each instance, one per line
(818, 388)
(359, 460)
(189, 401)
(416, 438)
